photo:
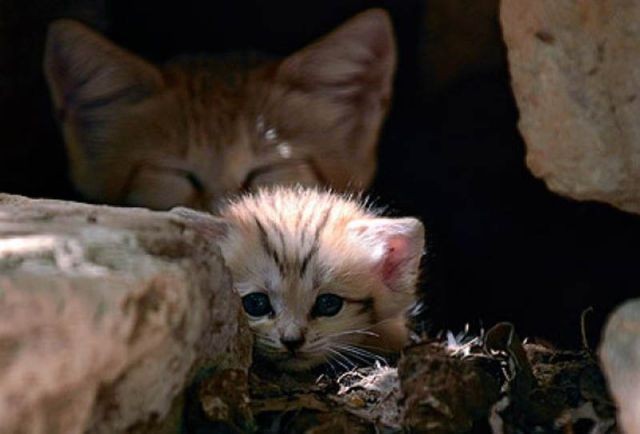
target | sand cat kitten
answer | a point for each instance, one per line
(198, 128)
(322, 278)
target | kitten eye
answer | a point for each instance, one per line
(257, 304)
(327, 305)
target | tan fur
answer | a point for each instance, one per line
(271, 234)
(198, 129)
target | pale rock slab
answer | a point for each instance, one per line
(620, 357)
(105, 315)
(575, 69)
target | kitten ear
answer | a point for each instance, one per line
(85, 69)
(210, 227)
(396, 247)
(355, 60)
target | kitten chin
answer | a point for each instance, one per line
(323, 278)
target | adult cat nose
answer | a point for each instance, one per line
(292, 343)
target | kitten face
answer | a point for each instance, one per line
(198, 129)
(322, 279)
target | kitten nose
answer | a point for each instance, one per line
(292, 343)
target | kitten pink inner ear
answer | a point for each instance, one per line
(398, 252)
(210, 227)
(396, 247)
(357, 57)
(81, 66)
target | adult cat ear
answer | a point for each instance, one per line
(210, 227)
(355, 61)
(395, 247)
(85, 70)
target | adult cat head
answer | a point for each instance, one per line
(199, 128)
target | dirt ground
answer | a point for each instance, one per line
(456, 384)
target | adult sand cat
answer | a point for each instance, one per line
(199, 128)
(322, 278)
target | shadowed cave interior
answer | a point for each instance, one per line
(501, 246)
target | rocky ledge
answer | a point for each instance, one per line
(106, 315)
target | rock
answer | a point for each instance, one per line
(224, 397)
(444, 394)
(575, 75)
(105, 315)
(468, 382)
(620, 357)
(290, 405)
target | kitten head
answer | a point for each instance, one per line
(322, 279)
(200, 128)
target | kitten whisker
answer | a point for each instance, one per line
(338, 355)
(348, 359)
(342, 365)
(328, 359)
(364, 331)
(355, 355)
(364, 353)
(353, 350)
(379, 323)
(371, 354)
(358, 331)
(371, 347)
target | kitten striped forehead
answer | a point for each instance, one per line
(290, 223)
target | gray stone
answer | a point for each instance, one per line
(575, 75)
(105, 315)
(620, 357)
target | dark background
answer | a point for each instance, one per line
(501, 246)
